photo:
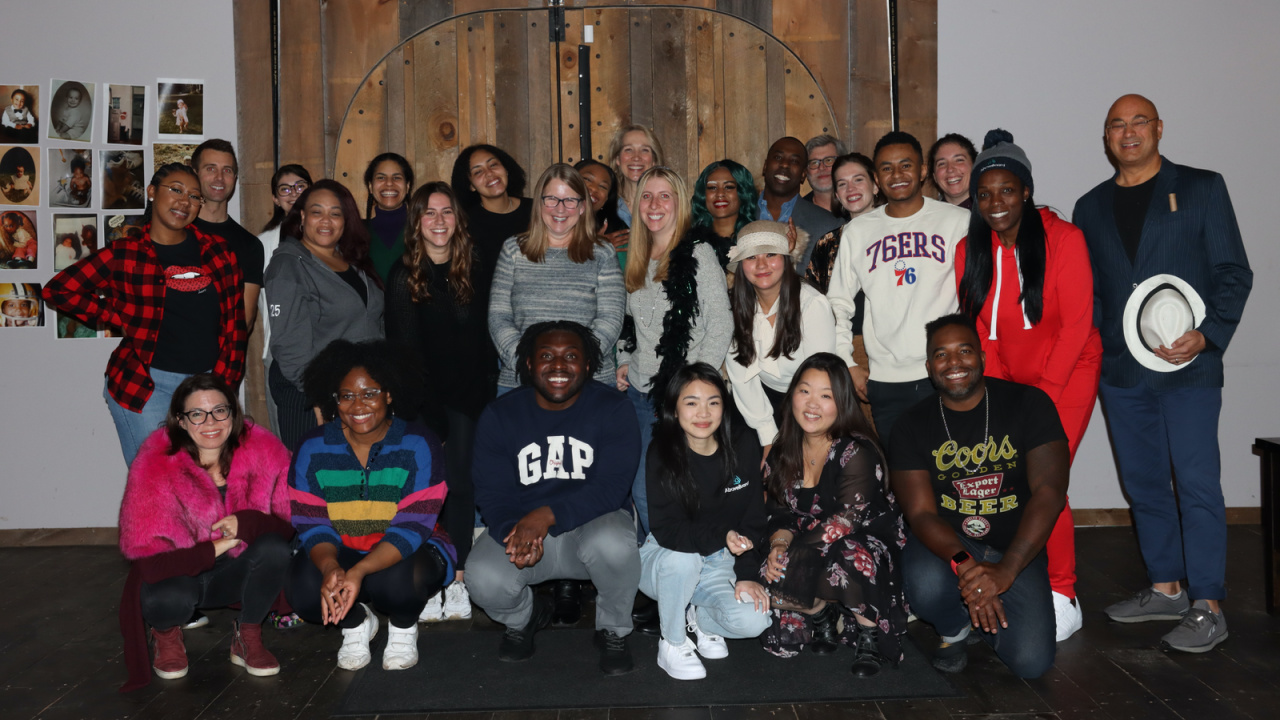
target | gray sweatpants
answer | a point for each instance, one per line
(602, 551)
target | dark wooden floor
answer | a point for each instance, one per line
(60, 656)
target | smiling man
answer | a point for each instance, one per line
(980, 468)
(901, 255)
(784, 172)
(1155, 222)
(553, 465)
(216, 166)
(823, 151)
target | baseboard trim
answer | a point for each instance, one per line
(54, 537)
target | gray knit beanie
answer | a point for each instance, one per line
(998, 151)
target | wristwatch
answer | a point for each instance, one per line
(959, 559)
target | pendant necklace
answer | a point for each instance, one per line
(986, 401)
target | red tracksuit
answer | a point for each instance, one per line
(1061, 355)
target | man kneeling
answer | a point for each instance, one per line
(553, 465)
(980, 469)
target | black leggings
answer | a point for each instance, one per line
(460, 505)
(254, 580)
(400, 591)
(294, 413)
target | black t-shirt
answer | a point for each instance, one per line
(1130, 207)
(352, 277)
(490, 230)
(246, 246)
(192, 319)
(981, 500)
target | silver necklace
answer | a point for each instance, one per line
(986, 402)
(653, 310)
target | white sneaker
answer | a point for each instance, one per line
(354, 653)
(402, 648)
(434, 611)
(1068, 616)
(710, 646)
(680, 661)
(457, 602)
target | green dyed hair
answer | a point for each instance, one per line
(748, 209)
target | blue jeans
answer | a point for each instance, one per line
(1157, 436)
(1026, 646)
(133, 427)
(677, 579)
(639, 492)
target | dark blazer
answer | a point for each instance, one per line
(1199, 242)
(815, 221)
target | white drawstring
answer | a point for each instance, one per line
(995, 303)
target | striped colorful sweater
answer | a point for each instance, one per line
(396, 499)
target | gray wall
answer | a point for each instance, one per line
(1047, 72)
(60, 462)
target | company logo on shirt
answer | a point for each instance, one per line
(976, 495)
(556, 466)
(897, 249)
(186, 278)
(737, 484)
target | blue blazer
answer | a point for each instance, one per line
(1199, 242)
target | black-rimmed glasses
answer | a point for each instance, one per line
(551, 201)
(198, 416)
(295, 189)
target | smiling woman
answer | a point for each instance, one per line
(175, 293)
(389, 180)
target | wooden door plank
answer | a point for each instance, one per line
(364, 135)
(709, 83)
(869, 112)
(568, 90)
(356, 34)
(670, 94)
(511, 83)
(745, 102)
(541, 115)
(641, 53)
(435, 92)
(610, 77)
(395, 109)
(815, 32)
(918, 68)
(302, 97)
(807, 115)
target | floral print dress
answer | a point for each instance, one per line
(849, 535)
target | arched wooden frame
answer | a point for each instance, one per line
(710, 84)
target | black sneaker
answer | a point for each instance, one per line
(615, 654)
(568, 608)
(517, 645)
(954, 657)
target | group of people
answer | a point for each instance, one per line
(664, 387)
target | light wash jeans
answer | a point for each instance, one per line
(677, 579)
(639, 491)
(132, 427)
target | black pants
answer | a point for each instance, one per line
(400, 591)
(459, 511)
(293, 411)
(254, 580)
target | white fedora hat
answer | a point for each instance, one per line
(1160, 310)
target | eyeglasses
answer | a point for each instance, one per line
(180, 192)
(1119, 126)
(822, 162)
(551, 201)
(368, 395)
(295, 189)
(198, 416)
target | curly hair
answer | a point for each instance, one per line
(748, 205)
(525, 348)
(460, 178)
(415, 257)
(392, 366)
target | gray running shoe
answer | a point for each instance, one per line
(1200, 631)
(1147, 605)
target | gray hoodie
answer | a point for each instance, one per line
(310, 306)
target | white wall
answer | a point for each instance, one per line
(60, 462)
(1047, 71)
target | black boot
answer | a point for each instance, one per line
(568, 608)
(644, 616)
(867, 661)
(825, 640)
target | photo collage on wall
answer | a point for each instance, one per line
(74, 168)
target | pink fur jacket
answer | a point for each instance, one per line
(170, 502)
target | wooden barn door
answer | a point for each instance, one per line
(710, 85)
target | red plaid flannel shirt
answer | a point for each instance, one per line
(128, 276)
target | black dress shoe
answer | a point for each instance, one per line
(615, 654)
(568, 608)
(825, 639)
(517, 645)
(867, 661)
(645, 619)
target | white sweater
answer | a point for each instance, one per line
(906, 268)
(817, 334)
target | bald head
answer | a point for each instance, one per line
(1129, 105)
(1133, 130)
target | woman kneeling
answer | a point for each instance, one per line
(366, 492)
(205, 521)
(836, 531)
(706, 510)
